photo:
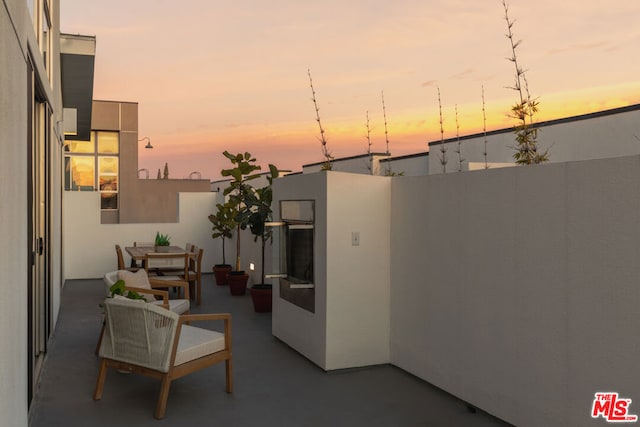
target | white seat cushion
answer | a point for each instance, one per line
(197, 342)
(178, 306)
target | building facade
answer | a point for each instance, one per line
(31, 140)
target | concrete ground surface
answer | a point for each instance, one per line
(273, 384)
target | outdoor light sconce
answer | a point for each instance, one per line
(148, 142)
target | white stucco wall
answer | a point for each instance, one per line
(304, 331)
(18, 43)
(13, 220)
(357, 285)
(89, 247)
(350, 326)
(596, 137)
(517, 289)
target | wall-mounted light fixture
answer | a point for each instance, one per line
(148, 142)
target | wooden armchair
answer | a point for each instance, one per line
(146, 339)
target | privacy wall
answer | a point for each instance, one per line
(517, 289)
(89, 246)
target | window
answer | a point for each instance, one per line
(107, 142)
(292, 253)
(94, 165)
(79, 173)
(108, 180)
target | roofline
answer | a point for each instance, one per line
(341, 159)
(580, 117)
(406, 156)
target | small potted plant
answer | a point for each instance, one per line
(162, 242)
(223, 225)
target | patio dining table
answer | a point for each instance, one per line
(138, 253)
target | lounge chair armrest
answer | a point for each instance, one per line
(197, 317)
(187, 318)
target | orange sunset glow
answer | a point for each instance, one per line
(229, 75)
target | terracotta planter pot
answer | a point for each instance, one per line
(220, 271)
(261, 296)
(237, 281)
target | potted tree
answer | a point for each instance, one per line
(223, 225)
(241, 173)
(259, 202)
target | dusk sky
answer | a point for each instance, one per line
(215, 75)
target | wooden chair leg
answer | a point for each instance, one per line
(102, 375)
(100, 338)
(229, 375)
(199, 291)
(161, 408)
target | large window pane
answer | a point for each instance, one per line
(79, 173)
(107, 142)
(108, 165)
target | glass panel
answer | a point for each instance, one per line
(82, 146)
(108, 165)
(81, 171)
(278, 254)
(108, 142)
(109, 201)
(299, 261)
(108, 183)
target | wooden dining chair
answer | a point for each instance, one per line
(194, 274)
(134, 263)
(173, 267)
(120, 257)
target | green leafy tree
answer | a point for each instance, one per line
(259, 202)
(223, 225)
(241, 173)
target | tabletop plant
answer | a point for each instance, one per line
(241, 173)
(162, 239)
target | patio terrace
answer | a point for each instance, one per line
(274, 385)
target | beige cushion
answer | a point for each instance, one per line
(197, 342)
(178, 306)
(138, 279)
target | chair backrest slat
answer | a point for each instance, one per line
(120, 257)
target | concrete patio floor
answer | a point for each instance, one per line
(274, 385)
